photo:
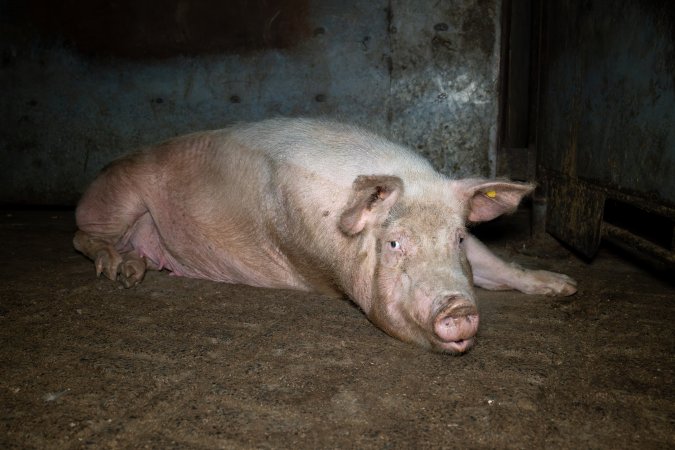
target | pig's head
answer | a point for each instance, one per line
(420, 285)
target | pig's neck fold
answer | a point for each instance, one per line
(360, 262)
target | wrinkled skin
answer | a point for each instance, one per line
(425, 275)
(310, 205)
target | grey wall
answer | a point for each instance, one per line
(84, 82)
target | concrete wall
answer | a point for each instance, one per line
(84, 82)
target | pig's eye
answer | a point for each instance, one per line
(394, 245)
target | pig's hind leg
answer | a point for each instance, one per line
(491, 272)
(109, 217)
(106, 259)
(129, 267)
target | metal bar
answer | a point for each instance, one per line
(611, 231)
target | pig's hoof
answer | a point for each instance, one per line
(107, 262)
(551, 283)
(132, 271)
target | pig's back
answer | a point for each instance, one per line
(332, 151)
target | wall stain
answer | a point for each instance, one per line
(166, 28)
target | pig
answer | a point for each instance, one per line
(312, 205)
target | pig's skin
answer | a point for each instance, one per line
(310, 205)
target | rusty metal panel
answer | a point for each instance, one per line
(609, 95)
(606, 113)
(574, 213)
(582, 214)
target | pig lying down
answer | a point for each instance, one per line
(310, 205)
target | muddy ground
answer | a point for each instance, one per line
(180, 363)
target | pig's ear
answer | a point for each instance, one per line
(371, 198)
(487, 199)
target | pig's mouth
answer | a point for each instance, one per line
(455, 328)
(450, 328)
(457, 347)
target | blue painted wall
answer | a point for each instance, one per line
(84, 85)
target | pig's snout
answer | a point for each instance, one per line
(456, 325)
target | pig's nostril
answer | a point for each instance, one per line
(457, 326)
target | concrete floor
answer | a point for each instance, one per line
(180, 363)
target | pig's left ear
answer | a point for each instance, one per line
(371, 199)
(485, 199)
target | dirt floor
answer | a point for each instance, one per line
(180, 363)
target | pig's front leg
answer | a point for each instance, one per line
(490, 272)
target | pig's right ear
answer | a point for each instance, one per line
(371, 199)
(486, 199)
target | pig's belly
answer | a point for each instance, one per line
(220, 265)
(192, 254)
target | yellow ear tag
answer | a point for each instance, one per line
(491, 194)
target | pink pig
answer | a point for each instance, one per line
(310, 205)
